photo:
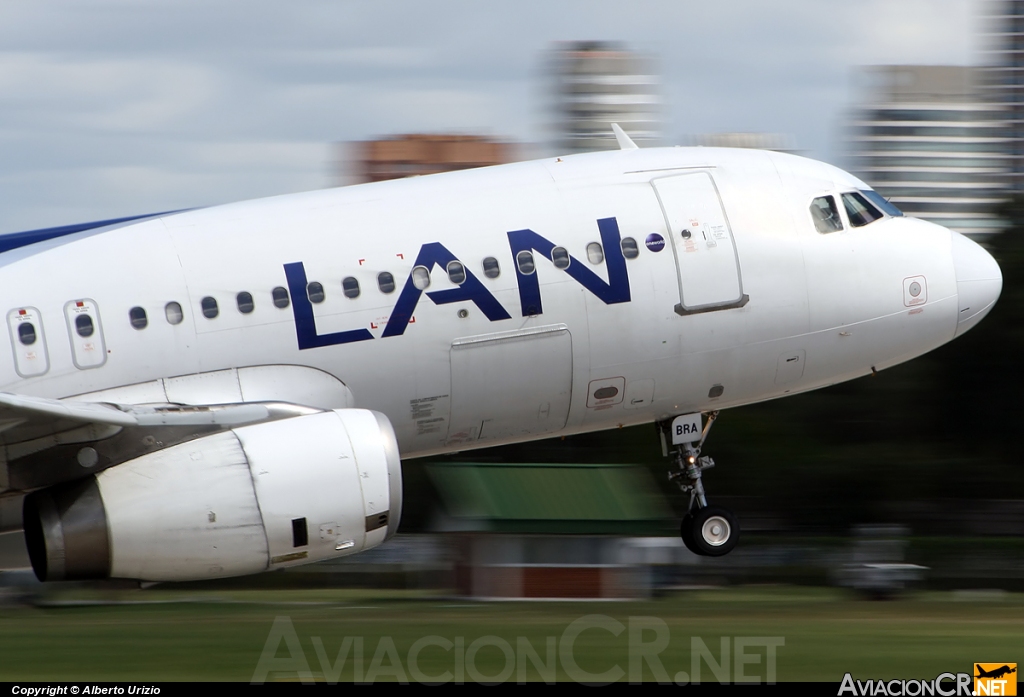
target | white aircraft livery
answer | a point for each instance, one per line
(230, 390)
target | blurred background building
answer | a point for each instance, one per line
(1004, 77)
(411, 155)
(595, 84)
(543, 530)
(926, 138)
(779, 142)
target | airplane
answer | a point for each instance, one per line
(995, 672)
(229, 390)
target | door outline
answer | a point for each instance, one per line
(681, 308)
(90, 351)
(554, 407)
(24, 356)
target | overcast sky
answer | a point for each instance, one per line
(121, 107)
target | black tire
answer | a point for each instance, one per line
(686, 532)
(715, 531)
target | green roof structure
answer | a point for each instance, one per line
(551, 498)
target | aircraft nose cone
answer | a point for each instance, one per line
(978, 281)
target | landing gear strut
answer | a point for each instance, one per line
(706, 529)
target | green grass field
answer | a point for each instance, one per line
(156, 635)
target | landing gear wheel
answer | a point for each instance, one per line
(686, 532)
(713, 531)
(710, 531)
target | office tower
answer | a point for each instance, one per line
(925, 137)
(594, 84)
(1003, 77)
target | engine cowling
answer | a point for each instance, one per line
(239, 502)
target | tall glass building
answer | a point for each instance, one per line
(1004, 76)
(594, 84)
(926, 138)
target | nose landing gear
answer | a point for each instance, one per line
(706, 529)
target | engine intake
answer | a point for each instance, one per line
(255, 498)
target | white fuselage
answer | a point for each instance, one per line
(478, 363)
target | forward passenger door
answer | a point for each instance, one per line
(707, 261)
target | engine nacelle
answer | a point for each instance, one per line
(251, 499)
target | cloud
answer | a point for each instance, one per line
(186, 102)
(124, 96)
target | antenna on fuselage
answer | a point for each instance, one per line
(625, 142)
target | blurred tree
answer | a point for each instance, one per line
(980, 385)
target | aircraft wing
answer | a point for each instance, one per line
(23, 418)
(48, 441)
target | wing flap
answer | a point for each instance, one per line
(28, 409)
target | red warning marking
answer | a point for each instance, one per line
(22, 312)
(412, 320)
(79, 304)
(400, 256)
(372, 325)
(361, 261)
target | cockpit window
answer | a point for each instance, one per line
(880, 201)
(825, 215)
(859, 211)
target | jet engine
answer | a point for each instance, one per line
(246, 500)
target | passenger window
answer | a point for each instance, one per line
(210, 309)
(245, 302)
(629, 248)
(84, 326)
(173, 313)
(456, 272)
(420, 277)
(315, 292)
(137, 316)
(859, 211)
(350, 286)
(27, 333)
(524, 260)
(595, 253)
(491, 268)
(280, 296)
(386, 282)
(825, 215)
(560, 257)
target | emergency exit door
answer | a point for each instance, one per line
(87, 347)
(707, 261)
(29, 342)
